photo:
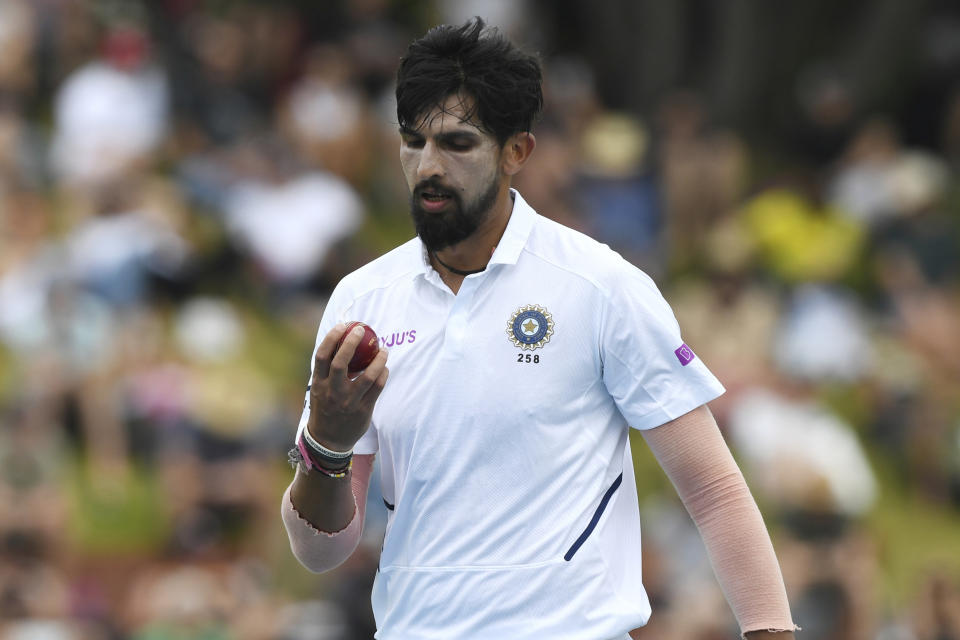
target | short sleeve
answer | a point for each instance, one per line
(652, 375)
(337, 310)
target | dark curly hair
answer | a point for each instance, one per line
(477, 64)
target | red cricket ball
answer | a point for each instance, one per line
(366, 351)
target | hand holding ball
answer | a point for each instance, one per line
(341, 400)
(365, 352)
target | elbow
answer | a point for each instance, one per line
(319, 551)
(323, 557)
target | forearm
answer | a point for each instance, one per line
(741, 553)
(326, 503)
(698, 462)
(324, 516)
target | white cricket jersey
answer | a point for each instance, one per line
(502, 434)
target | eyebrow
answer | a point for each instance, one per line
(447, 136)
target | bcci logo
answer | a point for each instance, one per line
(530, 327)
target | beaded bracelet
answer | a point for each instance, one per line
(340, 473)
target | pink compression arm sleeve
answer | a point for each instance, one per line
(321, 551)
(695, 457)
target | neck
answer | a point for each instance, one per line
(472, 255)
(459, 272)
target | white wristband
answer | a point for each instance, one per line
(322, 450)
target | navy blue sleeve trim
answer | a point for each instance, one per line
(595, 519)
(387, 504)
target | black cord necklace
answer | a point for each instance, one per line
(459, 272)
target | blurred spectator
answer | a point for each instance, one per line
(326, 117)
(20, 154)
(193, 600)
(801, 242)
(617, 193)
(730, 321)
(937, 614)
(550, 179)
(115, 253)
(554, 174)
(17, 30)
(800, 456)
(827, 107)
(286, 217)
(213, 107)
(823, 336)
(32, 455)
(811, 472)
(111, 114)
(312, 620)
(703, 173)
(923, 315)
(878, 180)
(682, 586)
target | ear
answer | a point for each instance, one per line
(516, 151)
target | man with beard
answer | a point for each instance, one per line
(522, 352)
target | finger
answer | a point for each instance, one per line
(325, 351)
(370, 397)
(370, 375)
(341, 359)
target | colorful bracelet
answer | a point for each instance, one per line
(340, 473)
(300, 456)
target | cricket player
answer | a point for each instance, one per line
(521, 353)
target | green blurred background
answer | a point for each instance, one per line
(182, 183)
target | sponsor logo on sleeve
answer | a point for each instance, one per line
(684, 354)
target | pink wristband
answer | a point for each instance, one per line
(311, 464)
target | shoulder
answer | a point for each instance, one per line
(393, 268)
(585, 258)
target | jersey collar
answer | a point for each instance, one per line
(515, 236)
(511, 243)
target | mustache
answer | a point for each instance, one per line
(432, 185)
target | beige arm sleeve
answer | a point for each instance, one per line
(695, 457)
(321, 551)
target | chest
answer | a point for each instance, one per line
(506, 354)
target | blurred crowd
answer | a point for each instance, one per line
(182, 183)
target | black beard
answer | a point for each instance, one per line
(444, 229)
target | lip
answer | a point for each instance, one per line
(434, 205)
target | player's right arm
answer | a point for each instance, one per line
(323, 515)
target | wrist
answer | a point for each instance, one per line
(331, 462)
(314, 435)
(300, 457)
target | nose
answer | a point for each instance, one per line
(430, 165)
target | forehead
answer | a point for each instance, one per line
(455, 114)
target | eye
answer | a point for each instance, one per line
(413, 143)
